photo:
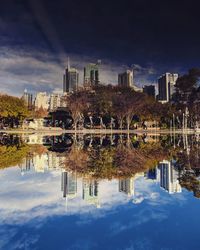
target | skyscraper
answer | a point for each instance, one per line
(166, 88)
(91, 75)
(126, 79)
(70, 79)
(28, 98)
(149, 90)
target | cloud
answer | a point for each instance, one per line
(26, 68)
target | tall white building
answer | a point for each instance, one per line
(90, 192)
(54, 101)
(125, 79)
(40, 162)
(166, 86)
(169, 177)
(127, 186)
(42, 101)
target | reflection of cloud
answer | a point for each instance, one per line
(138, 200)
(6, 234)
(41, 194)
(29, 201)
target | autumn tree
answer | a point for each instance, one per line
(78, 104)
(39, 113)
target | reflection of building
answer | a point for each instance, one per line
(166, 87)
(26, 165)
(40, 162)
(153, 174)
(127, 186)
(91, 75)
(125, 79)
(90, 191)
(35, 139)
(169, 177)
(70, 79)
(42, 100)
(55, 161)
(69, 184)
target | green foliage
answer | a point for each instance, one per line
(12, 155)
(12, 109)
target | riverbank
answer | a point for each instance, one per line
(100, 131)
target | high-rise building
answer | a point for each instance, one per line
(169, 177)
(69, 184)
(28, 98)
(166, 86)
(126, 79)
(149, 90)
(70, 79)
(42, 101)
(127, 186)
(91, 75)
(54, 101)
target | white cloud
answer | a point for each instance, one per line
(41, 71)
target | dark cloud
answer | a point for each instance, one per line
(159, 35)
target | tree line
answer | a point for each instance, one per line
(116, 107)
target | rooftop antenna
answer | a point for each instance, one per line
(98, 62)
(68, 63)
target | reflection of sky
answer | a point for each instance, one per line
(33, 215)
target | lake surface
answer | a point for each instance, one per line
(99, 192)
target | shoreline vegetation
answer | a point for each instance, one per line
(99, 131)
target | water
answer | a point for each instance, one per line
(99, 192)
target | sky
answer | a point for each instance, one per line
(150, 36)
(36, 209)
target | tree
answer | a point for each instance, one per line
(119, 108)
(78, 104)
(186, 84)
(39, 113)
(12, 110)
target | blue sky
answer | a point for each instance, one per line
(37, 36)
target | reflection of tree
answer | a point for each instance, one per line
(130, 161)
(109, 162)
(188, 163)
(101, 163)
(14, 151)
(76, 159)
(189, 159)
(191, 183)
(12, 155)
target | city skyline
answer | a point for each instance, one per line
(34, 48)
